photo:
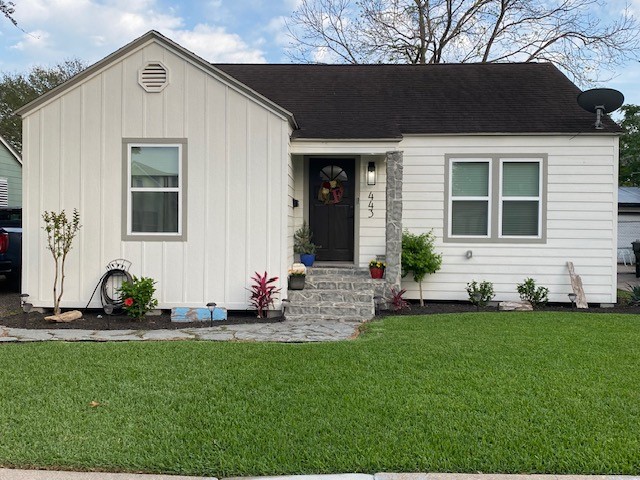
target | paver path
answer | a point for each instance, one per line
(287, 331)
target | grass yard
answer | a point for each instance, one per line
(523, 392)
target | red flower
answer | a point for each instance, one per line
(128, 302)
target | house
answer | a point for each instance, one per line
(10, 176)
(628, 222)
(199, 174)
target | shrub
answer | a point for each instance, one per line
(398, 302)
(302, 240)
(419, 257)
(634, 295)
(263, 293)
(485, 291)
(137, 296)
(532, 294)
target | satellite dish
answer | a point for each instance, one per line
(600, 101)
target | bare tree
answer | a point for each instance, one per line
(568, 33)
(7, 9)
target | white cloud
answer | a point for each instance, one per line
(91, 29)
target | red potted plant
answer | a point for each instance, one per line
(376, 268)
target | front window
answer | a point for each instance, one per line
(497, 198)
(154, 190)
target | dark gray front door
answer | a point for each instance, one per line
(331, 207)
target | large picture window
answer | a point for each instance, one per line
(155, 187)
(493, 199)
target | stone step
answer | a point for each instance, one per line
(328, 282)
(339, 271)
(321, 318)
(335, 309)
(316, 295)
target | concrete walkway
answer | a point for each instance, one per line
(287, 331)
(6, 474)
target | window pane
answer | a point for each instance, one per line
(470, 179)
(154, 167)
(520, 179)
(469, 217)
(154, 212)
(520, 218)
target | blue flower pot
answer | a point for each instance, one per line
(307, 259)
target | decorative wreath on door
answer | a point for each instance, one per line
(331, 192)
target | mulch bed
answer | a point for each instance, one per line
(431, 308)
(97, 320)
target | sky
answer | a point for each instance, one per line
(245, 31)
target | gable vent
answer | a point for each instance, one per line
(153, 77)
(4, 192)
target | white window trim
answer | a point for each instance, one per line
(488, 198)
(538, 199)
(131, 189)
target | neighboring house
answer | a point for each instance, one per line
(628, 222)
(199, 174)
(10, 176)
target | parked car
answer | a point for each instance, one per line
(11, 245)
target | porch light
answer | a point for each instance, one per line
(211, 306)
(371, 173)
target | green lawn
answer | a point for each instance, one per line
(521, 392)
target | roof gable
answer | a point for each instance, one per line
(10, 149)
(140, 42)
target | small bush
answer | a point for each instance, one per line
(419, 257)
(532, 294)
(263, 293)
(137, 296)
(484, 288)
(634, 295)
(398, 302)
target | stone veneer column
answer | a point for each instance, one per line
(394, 219)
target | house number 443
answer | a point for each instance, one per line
(370, 204)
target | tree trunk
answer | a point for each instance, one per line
(56, 300)
(421, 299)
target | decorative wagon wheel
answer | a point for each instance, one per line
(331, 190)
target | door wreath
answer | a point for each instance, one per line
(331, 192)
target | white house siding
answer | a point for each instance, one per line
(371, 230)
(236, 183)
(581, 217)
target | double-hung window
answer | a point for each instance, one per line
(497, 198)
(154, 190)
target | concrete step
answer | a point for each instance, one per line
(336, 309)
(329, 282)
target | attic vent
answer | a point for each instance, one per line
(153, 77)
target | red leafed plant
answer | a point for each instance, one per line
(397, 300)
(263, 293)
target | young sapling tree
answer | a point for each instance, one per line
(60, 234)
(419, 257)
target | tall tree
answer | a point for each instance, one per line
(568, 33)
(19, 89)
(630, 146)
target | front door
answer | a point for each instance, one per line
(331, 207)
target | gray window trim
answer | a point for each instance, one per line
(494, 220)
(182, 237)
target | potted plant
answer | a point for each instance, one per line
(303, 245)
(376, 268)
(297, 275)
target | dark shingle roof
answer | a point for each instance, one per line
(387, 101)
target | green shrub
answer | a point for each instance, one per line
(634, 295)
(532, 294)
(302, 240)
(484, 288)
(137, 296)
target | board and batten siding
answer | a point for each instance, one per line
(581, 217)
(236, 183)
